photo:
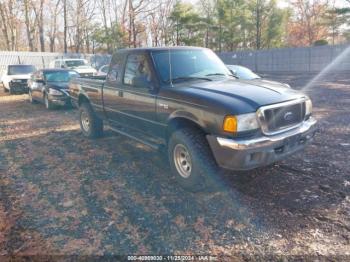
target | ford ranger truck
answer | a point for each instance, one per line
(185, 100)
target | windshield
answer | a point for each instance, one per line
(20, 69)
(188, 64)
(60, 76)
(75, 63)
(243, 72)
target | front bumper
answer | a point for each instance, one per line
(60, 100)
(19, 87)
(245, 154)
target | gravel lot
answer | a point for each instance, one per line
(63, 194)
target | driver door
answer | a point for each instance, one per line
(135, 98)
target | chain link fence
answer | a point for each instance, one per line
(294, 60)
(306, 59)
(42, 59)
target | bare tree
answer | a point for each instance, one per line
(29, 27)
(65, 25)
(4, 25)
(307, 26)
(55, 9)
(38, 9)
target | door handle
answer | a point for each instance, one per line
(120, 93)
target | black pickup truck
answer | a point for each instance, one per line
(185, 99)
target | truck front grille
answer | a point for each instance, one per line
(86, 74)
(22, 83)
(278, 118)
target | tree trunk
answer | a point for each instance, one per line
(258, 25)
(4, 26)
(41, 26)
(65, 25)
(105, 24)
(28, 27)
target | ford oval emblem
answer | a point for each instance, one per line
(289, 116)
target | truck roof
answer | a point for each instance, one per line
(64, 59)
(161, 48)
(55, 69)
(19, 65)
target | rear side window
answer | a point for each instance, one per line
(137, 69)
(115, 68)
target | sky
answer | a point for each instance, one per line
(338, 3)
(281, 3)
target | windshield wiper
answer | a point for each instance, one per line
(188, 78)
(220, 74)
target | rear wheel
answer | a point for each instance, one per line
(191, 160)
(90, 124)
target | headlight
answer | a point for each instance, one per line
(308, 107)
(239, 123)
(54, 92)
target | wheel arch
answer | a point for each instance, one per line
(82, 98)
(178, 122)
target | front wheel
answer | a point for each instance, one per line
(48, 103)
(31, 100)
(90, 124)
(191, 160)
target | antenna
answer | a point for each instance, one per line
(170, 69)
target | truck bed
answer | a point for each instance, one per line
(103, 78)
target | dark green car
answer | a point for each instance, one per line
(50, 86)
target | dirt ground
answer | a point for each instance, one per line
(62, 194)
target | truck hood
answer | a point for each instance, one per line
(236, 95)
(58, 85)
(265, 83)
(84, 69)
(12, 77)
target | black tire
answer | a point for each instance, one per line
(48, 103)
(11, 91)
(204, 172)
(93, 128)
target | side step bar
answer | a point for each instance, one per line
(153, 145)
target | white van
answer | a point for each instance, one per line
(77, 64)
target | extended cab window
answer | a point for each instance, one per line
(114, 69)
(137, 71)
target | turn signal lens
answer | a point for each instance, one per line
(230, 124)
(308, 107)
